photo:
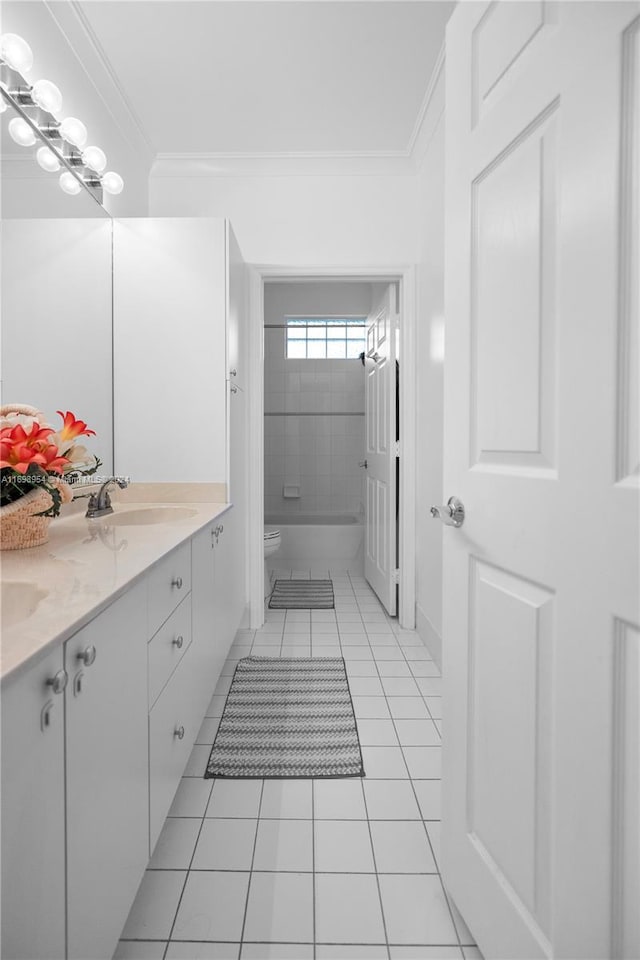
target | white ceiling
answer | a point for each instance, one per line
(223, 77)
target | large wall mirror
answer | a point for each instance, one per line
(56, 300)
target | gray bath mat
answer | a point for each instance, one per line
(287, 717)
(302, 595)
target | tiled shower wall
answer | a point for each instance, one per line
(314, 417)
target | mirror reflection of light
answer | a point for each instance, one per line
(436, 349)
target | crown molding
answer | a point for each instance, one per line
(281, 165)
(308, 163)
(429, 113)
(84, 43)
(73, 24)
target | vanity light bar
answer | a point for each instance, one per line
(35, 120)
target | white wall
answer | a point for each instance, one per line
(63, 53)
(430, 370)
(319, 454)
(302, 220)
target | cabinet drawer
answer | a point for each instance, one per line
(169, 582)
(172, 712)
(168, 647)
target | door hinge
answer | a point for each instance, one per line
(395, 575)
(396, 448)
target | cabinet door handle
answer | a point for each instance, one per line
(233, 373)
(88, 655)
(222, 528)
(58, 681)
(179, 732)
(233, 388)
(178, 641)
(177, 582)
(45, 715)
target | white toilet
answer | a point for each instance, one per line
(272, 541)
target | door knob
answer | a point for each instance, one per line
(452, 513)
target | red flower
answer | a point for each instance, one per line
(73, 428)
(19, 449)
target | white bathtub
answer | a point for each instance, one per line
(318, 538)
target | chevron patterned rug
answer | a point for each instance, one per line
(302, 595)
(287, 717)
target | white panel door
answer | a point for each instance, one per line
(541, 826)
(380, 405)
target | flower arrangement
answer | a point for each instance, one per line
(36, 457)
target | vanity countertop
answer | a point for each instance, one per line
(83, 568)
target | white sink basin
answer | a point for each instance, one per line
(148, 515)
(20, 599)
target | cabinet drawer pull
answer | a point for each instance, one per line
(179, 732)
(58, 681)
(88, 655)
(178, 641)
(233, 373)
(177, 582)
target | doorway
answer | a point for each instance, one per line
(404, 281)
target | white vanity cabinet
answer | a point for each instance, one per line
(174, 710)
(179, 312)
(205, 605)
(95, 739)
(33, 835)
(212, 604)
(107, 803)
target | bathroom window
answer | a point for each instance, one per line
(325, 338)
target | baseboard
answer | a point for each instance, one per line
(244, 620)
(430, 636)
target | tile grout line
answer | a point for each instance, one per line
(251, 871)
(313, 863)
(410, 777)
(444, 891)
(373, 854)
(188, 871)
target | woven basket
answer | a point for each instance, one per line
(19, 528)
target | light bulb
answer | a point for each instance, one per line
(112, 182)
(73, 131)
(47, 96)
(21, 132)
(95, 158)
(69, 183)
(16, 52)
(47, 160)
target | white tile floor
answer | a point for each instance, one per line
(324, 869)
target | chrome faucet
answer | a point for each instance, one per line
(100, 502)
